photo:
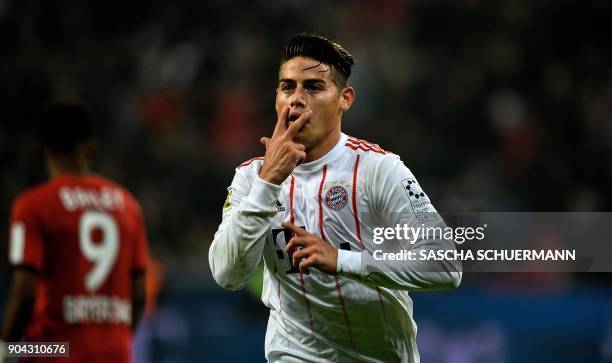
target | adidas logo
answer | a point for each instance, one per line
(279, 206)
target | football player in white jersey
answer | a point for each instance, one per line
(310, 209)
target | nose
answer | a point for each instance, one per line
(298, 98)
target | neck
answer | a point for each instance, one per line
(322, 148)
(58, 166)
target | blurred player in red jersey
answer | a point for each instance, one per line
(78, 246)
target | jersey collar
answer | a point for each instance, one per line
(332, 155)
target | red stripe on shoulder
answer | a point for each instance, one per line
(358, 144)
(364, 148)
(359, 141)
(367, 147)
(356, 141)
(248, 162)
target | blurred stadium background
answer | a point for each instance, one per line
(494, 105)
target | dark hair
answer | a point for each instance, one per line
(63, 126)
(318, 47)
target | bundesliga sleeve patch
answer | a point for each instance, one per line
(419, 201)
(227, 202)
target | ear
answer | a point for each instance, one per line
(347, 97)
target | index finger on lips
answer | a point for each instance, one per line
(293, 129)
(281, 122)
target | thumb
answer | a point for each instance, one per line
(264, 141)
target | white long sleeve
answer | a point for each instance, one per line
(394, 206)
(238, 244)
(340, 197)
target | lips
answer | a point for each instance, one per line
(293, 116)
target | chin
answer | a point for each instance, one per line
(299, 139)
(302, 138)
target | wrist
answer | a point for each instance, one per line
(271, 177)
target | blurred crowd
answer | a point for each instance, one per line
(495, 106)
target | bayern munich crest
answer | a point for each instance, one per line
(336, 197)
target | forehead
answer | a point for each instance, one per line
(304, 68)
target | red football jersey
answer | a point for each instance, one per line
(85, 236)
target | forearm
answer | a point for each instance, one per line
(18, 311)
(138, 298)
(413, 275)
(398, 200)
(238, 244)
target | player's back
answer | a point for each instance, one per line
(85, 237)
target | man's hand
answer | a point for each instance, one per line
(282, 154)
(314, 251)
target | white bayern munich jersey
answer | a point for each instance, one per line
(364, 313)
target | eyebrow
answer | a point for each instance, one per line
(309, 80)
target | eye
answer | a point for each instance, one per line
(314, 87)
(285, 86)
